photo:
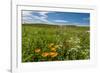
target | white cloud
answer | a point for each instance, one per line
(26, 13)
(39, 18)
(26, 16)
(63, 21)
(43, 14)
(30, 17)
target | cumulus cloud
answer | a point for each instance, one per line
(43, 14)
(30, 17)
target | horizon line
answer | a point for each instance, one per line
(58, 24)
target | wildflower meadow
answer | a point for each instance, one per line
(45, 42)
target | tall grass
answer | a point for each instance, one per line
(43, 42)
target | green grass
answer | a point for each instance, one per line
(44, 42)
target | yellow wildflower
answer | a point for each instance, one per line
(45, 54)
(37, 50)
(56, 46)
(50, 45)
(53, 49)
(53, 54)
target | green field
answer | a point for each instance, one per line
(44, 42)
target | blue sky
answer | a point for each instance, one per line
(60, 18)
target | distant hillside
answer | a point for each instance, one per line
(52, 25)
(41, 24)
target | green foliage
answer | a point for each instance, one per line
(72, 43)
